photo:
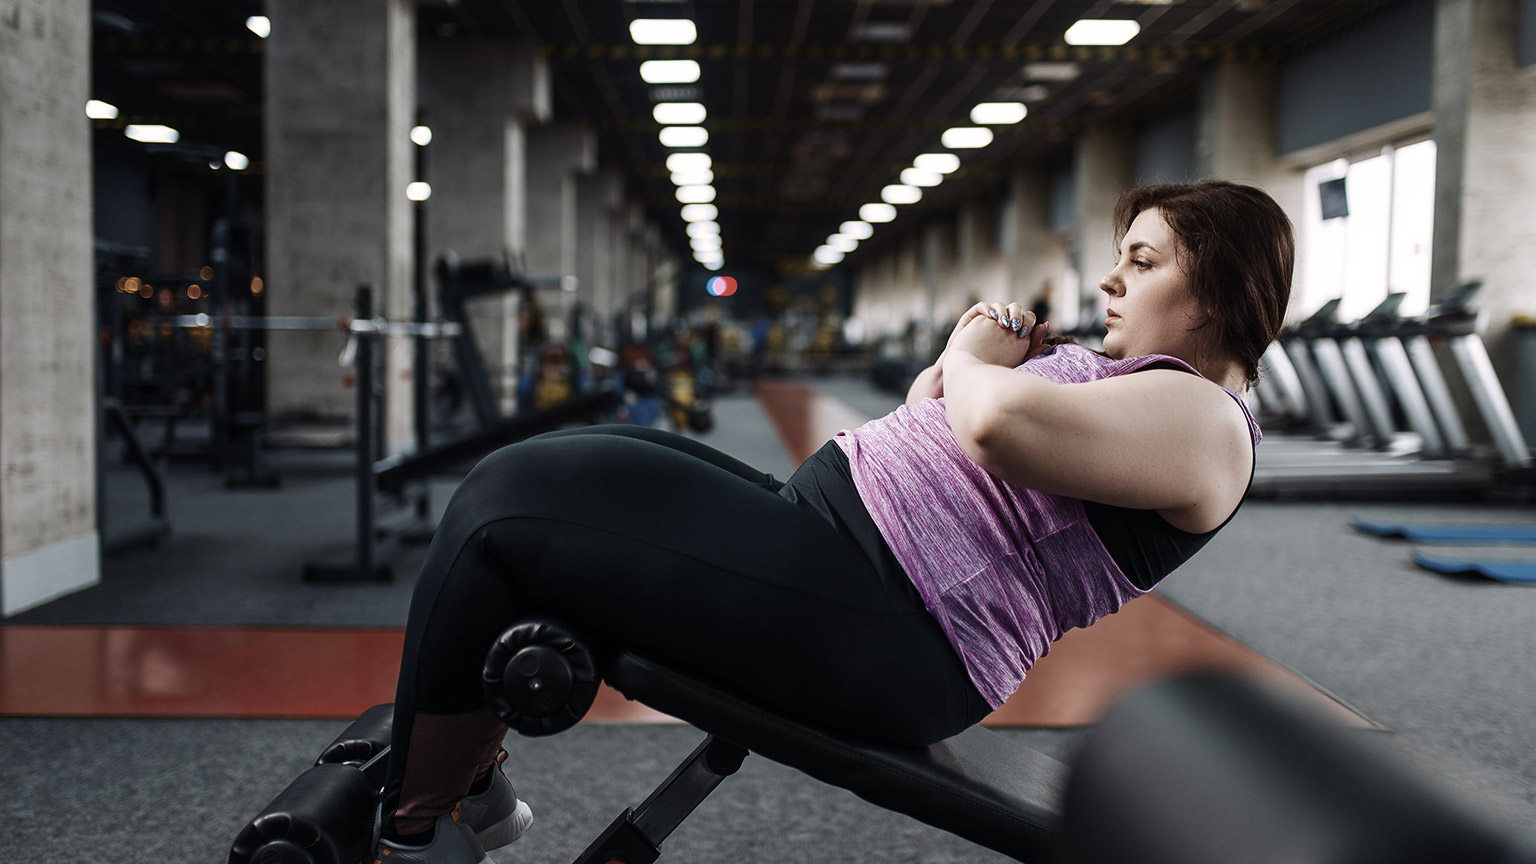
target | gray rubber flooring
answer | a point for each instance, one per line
(1445, 665)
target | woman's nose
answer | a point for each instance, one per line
(1109, 284)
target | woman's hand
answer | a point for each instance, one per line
(1002, 322)
(997, 334)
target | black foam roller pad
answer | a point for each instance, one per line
(324, 817)
(368, 735)
(1213, 769)
(539, 678)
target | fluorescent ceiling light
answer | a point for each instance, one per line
(998, 113)
(261, 25)
(683, 136)
(1102, 31)
(237, 161)
(842, 243)
(877, 212)
(899, 194)
(99, 110)
(716, 264)
(663, 31)
(943, 163)
(152, 133)
(696, 177)
(418, 191)
(858, 71)
(919, 177)
(856, 230)
(669, 71)
(695, 194)
(421, 136)
(885, 31)
(827, 255)
(688, 162)
(705, 244)
(1051, 71)
(966, 137)
(703, 229)
(680, 113)
(700, 213)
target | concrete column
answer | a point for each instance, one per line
(1105, 168)
(480, 98)
(1485, 178)
(48, 539)
(556, 156)
(1036, 261)
(599, 199)
(340, 101)
(1238, 132)
(937, 263)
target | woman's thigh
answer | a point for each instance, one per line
(660, 551)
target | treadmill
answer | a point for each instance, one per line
(1366, 456)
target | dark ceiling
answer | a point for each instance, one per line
(814, 105)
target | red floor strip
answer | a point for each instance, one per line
(214, 672)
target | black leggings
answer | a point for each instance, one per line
(663, 545)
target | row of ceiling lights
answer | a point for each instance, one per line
(682, 128)
(928, 169)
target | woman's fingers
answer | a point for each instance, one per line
(1011, 316)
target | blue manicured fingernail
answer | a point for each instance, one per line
(993, 314)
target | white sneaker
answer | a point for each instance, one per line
(452, 843)
(496, 816)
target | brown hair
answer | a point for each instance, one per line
(1238, 250)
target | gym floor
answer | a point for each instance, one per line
(149, 717)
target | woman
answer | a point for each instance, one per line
(903, 581)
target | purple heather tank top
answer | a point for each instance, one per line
(1006, 570)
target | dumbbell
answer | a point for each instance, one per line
(539, 677)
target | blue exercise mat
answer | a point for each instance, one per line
(1447, 532)
(1523, 572)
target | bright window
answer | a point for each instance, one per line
(1376, 239)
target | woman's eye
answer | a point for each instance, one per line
(1141, 265)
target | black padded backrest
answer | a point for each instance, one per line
(978, 784)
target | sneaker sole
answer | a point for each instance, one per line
(508, 829)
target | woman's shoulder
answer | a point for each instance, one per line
(1068, 363)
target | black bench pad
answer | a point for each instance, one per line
(978, 784)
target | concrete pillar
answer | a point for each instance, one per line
(340, 102)
(1036, 260)
(556, 156)
(480, 98)
(599, 202)
(1484, 108)
(938, 264)
(48, 539)
(1238, 132)
(1105, 165)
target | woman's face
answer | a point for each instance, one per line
(1151, 309)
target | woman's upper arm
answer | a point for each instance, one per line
(1156, 440)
